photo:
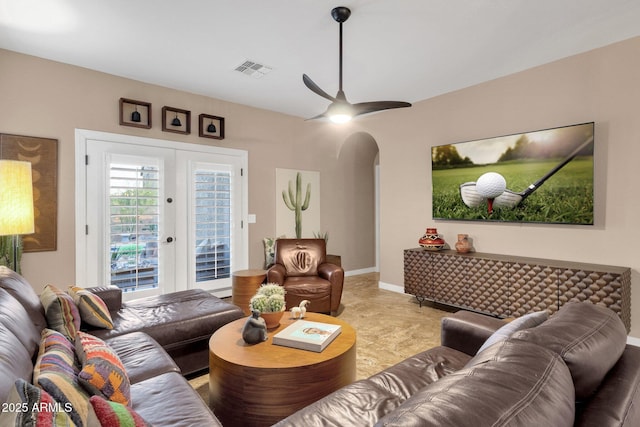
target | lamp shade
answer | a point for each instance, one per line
(16, 198)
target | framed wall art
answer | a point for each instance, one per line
(297, 203)
(176, 120)
(135, 113)
(211, 126)
(43, 155)
(544, 176)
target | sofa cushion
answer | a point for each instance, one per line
(141, 356)
(364, 402)
(15, 318)
(589, 338)
(56, 372)
(28, 405)
(21, 290)
(616, 402)
(102, 371)
(169, 400)
(16, 362)
(61, 312)
(513, 383)
(113, 414)
(524, 322)
(173, 318)
(91, 307)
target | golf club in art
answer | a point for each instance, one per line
(510, 199)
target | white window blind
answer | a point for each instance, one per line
(134, 197)
(213, 223)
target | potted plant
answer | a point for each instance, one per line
(269, 301)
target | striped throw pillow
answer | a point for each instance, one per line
(115, 414)
(56, 371)
(92, 308)
(60, 311)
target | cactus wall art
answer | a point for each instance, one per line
(297, 212)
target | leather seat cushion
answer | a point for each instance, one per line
(589, 338)
(312, 288)
(511, 383)
(365, 401)
(141, 356)
(169, 400)
(173, 319)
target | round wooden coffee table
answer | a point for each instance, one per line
(258, 385)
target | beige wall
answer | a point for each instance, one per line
(601, 86)
(48, 99)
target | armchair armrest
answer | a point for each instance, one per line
(111, 295)
(467, 331)
(335, 275)
(276, 274)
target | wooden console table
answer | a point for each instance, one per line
(511, 286)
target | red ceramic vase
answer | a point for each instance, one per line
(431, 240)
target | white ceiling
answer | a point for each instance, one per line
(401, 50)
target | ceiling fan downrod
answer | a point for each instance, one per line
(340, 14)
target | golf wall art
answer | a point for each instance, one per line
(545, 176)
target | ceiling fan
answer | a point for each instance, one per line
(340, 110)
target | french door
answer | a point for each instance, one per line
(158, 217)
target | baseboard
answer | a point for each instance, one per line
(361, 271)
(633, 341)
(390, 287)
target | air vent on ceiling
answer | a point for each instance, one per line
(253, 69)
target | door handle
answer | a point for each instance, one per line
(169, 239)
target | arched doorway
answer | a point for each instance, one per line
(359, 160)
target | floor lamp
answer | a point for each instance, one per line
(16, 203)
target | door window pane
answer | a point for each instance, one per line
(133, 224)
(212, 205)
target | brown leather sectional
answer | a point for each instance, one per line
(155, 338)
(181, 322)
(575, 369)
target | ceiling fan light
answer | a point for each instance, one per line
(340, 118)
(340, 113)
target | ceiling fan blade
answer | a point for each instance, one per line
(315, 88)
(371, 107)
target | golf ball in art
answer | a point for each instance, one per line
(490, 185)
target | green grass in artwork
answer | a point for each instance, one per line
(566, 197)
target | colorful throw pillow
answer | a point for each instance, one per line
(524, 322)
(113, 414)
(28, 405)
(92, 308)
(56, 371)
(61, 312)
(102, 373)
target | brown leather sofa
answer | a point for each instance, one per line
(159, 391)
(575, 369)
(181, 322)
(301, 267)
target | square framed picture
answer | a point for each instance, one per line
(211, 126)
(176, 120)
(135, 113)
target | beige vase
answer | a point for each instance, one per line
(272, 319)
